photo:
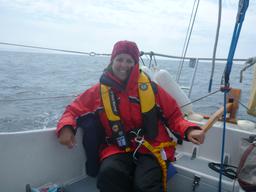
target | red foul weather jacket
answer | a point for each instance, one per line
(130, 112)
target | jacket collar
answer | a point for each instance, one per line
(109, 79)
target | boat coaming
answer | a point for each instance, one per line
(36, 157)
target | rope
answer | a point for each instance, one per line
(223, 140)
(53, 49)
(200, 98)
(187, 39)
(243, 5)
(215, 46)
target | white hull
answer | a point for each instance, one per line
(36, 157)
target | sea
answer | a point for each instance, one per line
(35, 88)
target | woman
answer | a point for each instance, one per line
(135, 114)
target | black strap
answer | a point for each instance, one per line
(228, 170)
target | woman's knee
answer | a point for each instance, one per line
(115, 175)
(148, 175)
(108, 170)
(116, 167)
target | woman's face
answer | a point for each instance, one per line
(122, 65)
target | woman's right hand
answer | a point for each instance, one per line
(67, 137)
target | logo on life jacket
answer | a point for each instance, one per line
(143, 86)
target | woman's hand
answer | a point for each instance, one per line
(196, 136)
(67, 137)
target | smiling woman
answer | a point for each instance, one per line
(132, 149)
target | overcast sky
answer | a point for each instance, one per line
(95, 25)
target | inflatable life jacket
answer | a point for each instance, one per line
(148, 109)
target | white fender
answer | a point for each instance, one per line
(164, 79)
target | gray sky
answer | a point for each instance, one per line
(95, 25)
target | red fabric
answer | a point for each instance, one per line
(127, 47)
(130, 113)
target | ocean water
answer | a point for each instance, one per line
(36, 87)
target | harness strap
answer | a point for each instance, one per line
(156, 152)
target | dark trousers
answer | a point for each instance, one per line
(122, 173)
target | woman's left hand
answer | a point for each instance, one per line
(196, 136)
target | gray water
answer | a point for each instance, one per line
(36, 87)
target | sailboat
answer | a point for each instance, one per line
(34, 159)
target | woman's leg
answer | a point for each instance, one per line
(116, 173)
(148, 175)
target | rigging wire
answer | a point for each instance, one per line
(215, 46)
(184, 45)
(243, 105)
(200, 98)
(187, 39)
(146, 54)
(53, 49)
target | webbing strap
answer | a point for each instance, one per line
(156, 152)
